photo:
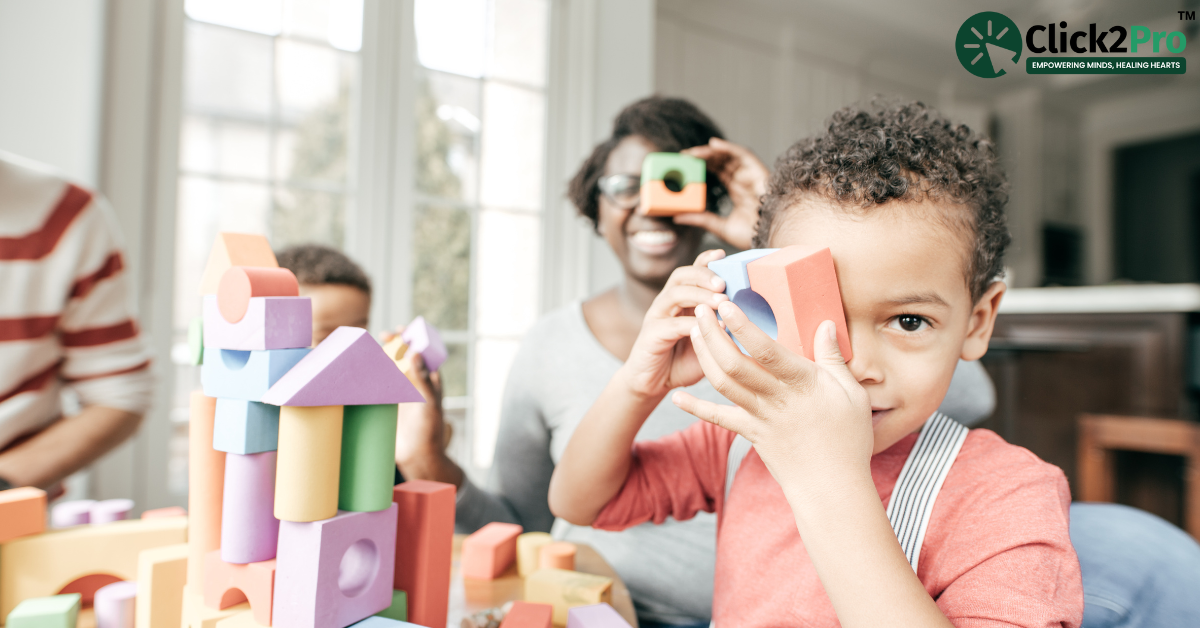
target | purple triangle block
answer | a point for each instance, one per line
(347, 369)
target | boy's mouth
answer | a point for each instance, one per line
(653, 241)
(878, 414)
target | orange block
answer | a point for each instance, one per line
(206, 488)
(658, 200)
(558, 555)
(800, 284)
(22, 512)
(164, 513)
(240, 283)
(235, 249)
(528, 615)
(424, 542)
(227, 584)
(490, 551)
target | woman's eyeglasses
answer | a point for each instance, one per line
(621, 190)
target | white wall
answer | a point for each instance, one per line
(51, 70)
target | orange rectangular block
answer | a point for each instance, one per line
(658, 200)
(490, 551)
(528, 615)
(22, 512)
(800, 284)
(206, 488)
(424, 542)
(227, 584)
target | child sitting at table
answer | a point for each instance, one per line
(911, 208)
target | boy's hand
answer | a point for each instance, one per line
(421, 430)
(662, 357)
(809, 421)
(745, 177)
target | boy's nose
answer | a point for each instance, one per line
(865, 365)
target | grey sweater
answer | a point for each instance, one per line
(558, 373)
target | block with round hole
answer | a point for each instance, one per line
(673, 183)
(245, 375)
(334, 572)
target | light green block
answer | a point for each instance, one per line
(399, 608)
(368, 457)
(57, 611)
(683, 169)
(196, 341)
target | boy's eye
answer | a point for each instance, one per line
(910, 322)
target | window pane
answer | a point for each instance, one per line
(519, 41)
(259, 16)
(345, 24)
(447, 136)
(315, 147)
(302, 216)
(513, 128)
(224, 147)
(454, 371)
(309, 77)
(451, 35)
(441, 265)
(227, 72)
(493, 358)
(307, 18)
(506, 273)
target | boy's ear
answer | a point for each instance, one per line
(983, 320)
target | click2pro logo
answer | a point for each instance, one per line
(989, 44)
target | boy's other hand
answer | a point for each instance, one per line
(422, 433)
(662, 357)
(745, 178)
(809, 421)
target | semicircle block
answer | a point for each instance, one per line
(239, 284)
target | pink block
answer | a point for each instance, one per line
(595, 616)
(269, 323)
(72, 513)
(334, 572)
(424, 338)
(490, 551)
(110, 510)
(348, 368)
(249, 529)
(114, 605)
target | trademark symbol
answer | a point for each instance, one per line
(1187, 15)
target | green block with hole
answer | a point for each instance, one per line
(399, 608)
(368, 470)
(657, 167)
(56, 611)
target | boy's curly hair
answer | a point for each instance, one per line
(319, 265)
(903, 152)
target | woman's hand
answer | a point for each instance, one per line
(662, 357)
(745, 177)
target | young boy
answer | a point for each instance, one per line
(339, 289)
(911, 208)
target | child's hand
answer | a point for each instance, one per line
(745, 178)
(807, 420)
(662, 357)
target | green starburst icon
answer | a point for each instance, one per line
(989, 44)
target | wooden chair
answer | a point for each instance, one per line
(1100, 434)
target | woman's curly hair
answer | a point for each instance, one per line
(903, 152)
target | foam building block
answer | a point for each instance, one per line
(395, 348)
(56, 611)
(110, 510)
(246, 375)
(383, 622)
(424, 542)
(595, 616)
(528, 615)
(490, 551)
(558, 555)
(368, 457)
(206, 487)
(661, 172)
(115, 605)
(80, 559)
(565, 590)
(22, 512)
(228, 584)
(196, 341)
(308, 463)
(347, 368)
(197, 615)
(528, 546)
(335, 572)
(737, 287)
(71, 513)
(235, 249)
(239, 284)
(424, 339)
(249, 529)
(269, 323)
(161, 575)
(398, 610)
(245, 427)
(800, 284)
(244, 619)
(169, 511)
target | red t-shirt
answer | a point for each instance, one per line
(997, 551)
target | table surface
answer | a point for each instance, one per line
(471, 596)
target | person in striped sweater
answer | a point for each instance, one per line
(66, 323)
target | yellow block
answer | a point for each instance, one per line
(566, 589)
(308, 463)
(395, 349)
(528, 545)
(161, 574)
(41, 565)
(244, 619)
(197, 615)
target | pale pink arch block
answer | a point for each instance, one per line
(348, 368)
(334, 572)
(424, 338)
(114, 605)
(249, 529)
(269, 323)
